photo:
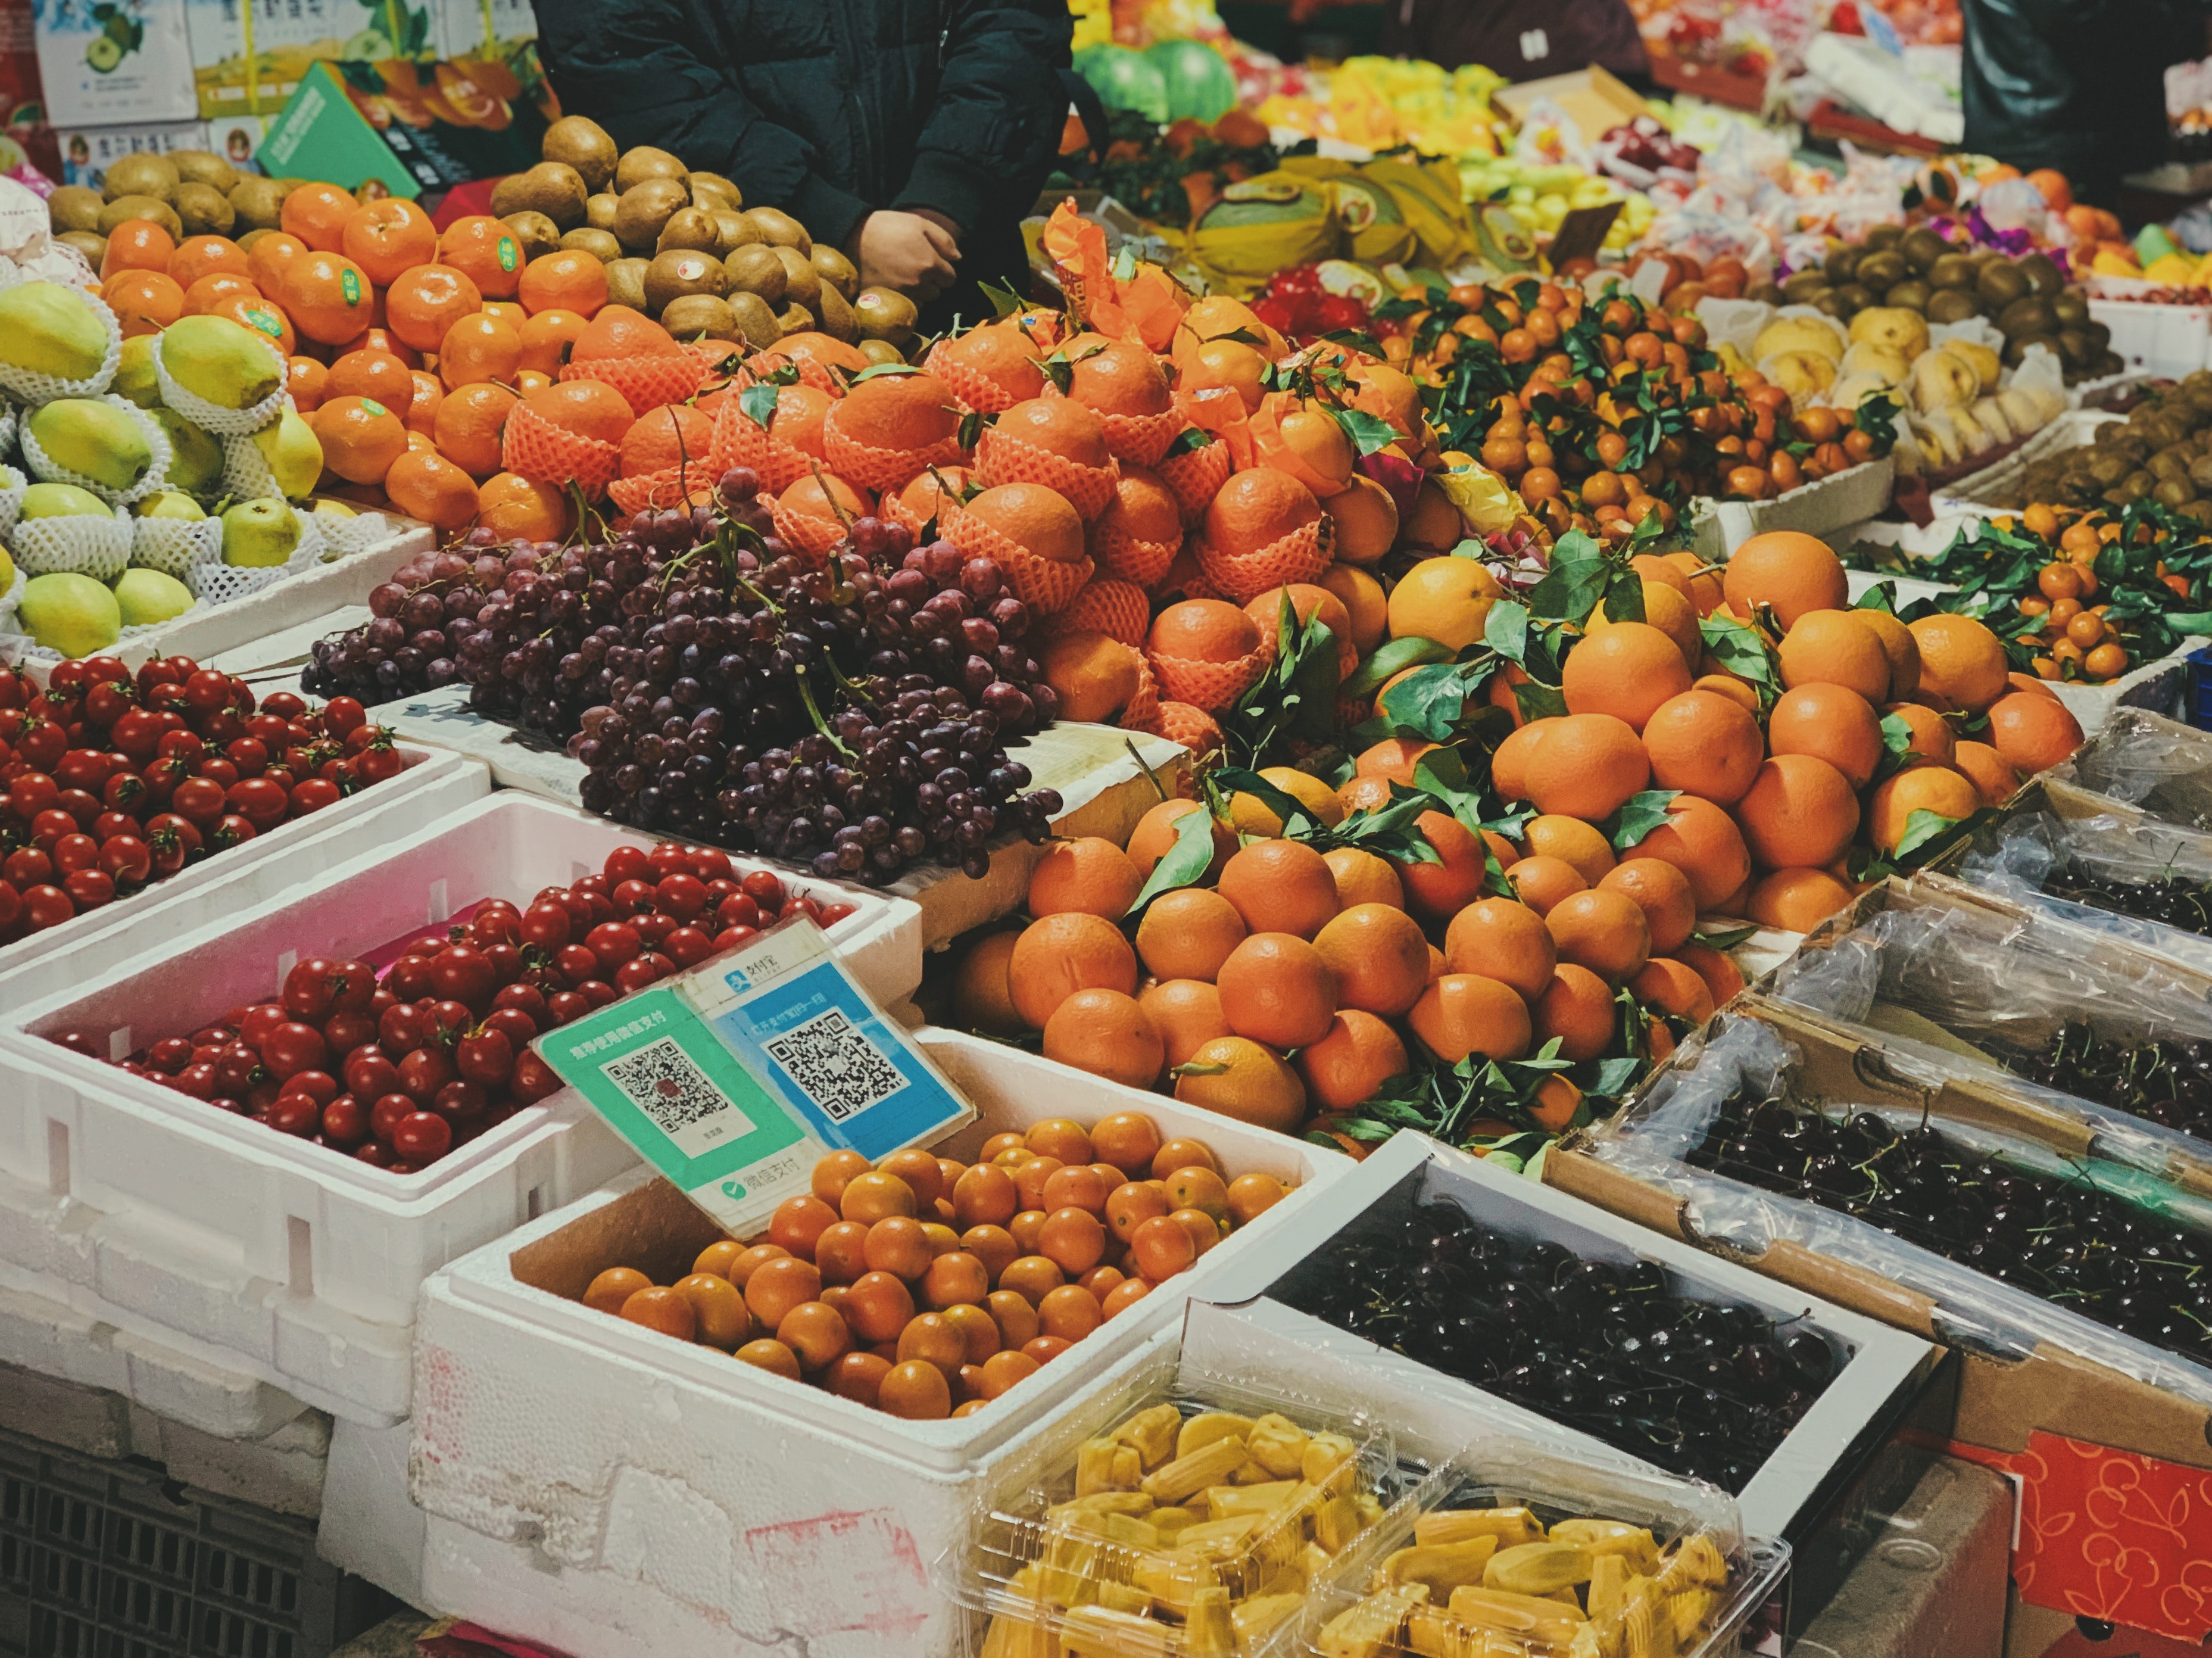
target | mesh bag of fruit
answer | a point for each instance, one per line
(81, 543)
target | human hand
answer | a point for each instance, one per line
(912, 253)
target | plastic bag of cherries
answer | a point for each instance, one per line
(399, 1068)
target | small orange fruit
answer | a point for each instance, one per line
(1604, 931)
(360, 437)
(428, 486)
(1186, 1014)
(480, 347)
(1704, 744)
(1188, 933)
(1625, 670)
(1280, 886)
(1933, 788)
(1107, 1034)
(1378, 957)
(1088, 876)
(1800, 813)
(1831, 722)
(665, 1310)
(468, 426)
(1663, 893)
(567, 281)
(485, 251)
(1359, 1054)
(316, 213)
(1441, 888)
(329, 298)
(1578, 1011)
(1541, 883)
(2032, 731)
(1552, 834)
(1497, 938)
(1061, 954)
(389, 237)
(1835, 647)
(1796, 900)
(1960, 660)
(1277, 988)
(1462, 1014)
(1362, 878)
(1236, 1078)
(1584, 765)
(613, 1287)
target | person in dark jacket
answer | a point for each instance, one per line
(1522, 40)
(914, 134)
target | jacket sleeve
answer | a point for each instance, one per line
(1001, 110)
(648, 74)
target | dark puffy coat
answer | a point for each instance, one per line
(831, 109)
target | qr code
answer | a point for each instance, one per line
(660, 1080)
(833, 1061)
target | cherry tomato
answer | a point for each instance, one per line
(27, 866)
(198, 800)
(383, 1116)
(314, 795)
(216, 768)
(534, 1079)
(249, 754)
(711, 865)
(423, 1137)
(342, 715)
(345, 1032)
(738, 911)
(197, 1079)
(634, 898)
(447, 1022)
(208, 691)
(47, 906)
(681, 894)
(625, 863)
(461, 973)
(526, 997)
(51, 825)
(562, 1006)
(88, 888)
(294, 1047)
(687, 945)
(461, 1102)
(370, 1073)
(765, 889)
(652, 930)
(423, 1072)
(294, 1113)
(488, 1056)
(170, 1054)
(597, 991)
(230, 829)
(546, 925)
(345, 1123)
(320, 1084)
(73, 852)
(612, 943)
(496, 921)
(261, 802)
(520, 1028)
(641, 971)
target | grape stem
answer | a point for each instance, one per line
(814, 713)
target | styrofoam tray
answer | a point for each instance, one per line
(2166, 341)
(1975, 495)
(1719, 527)
(42, 964)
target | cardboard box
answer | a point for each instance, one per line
(1594, 101)
(249, 56)
(87, 152)
(478, 28)
(105, 62)
(411, 126)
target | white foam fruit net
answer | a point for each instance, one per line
(213, 417)
(34, 388)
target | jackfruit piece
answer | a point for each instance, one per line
(1208, 1426)
(1153, 1432)
(1255, 1619)
(1337, 1522)
(1279, 1445)
(1094, 1468)
(1634, 1543)
(1328, 1461)
(1508, 1525)
(1537, 1568)
(1135, 1504)
(1101, 1632)
(1609, 1586)
(1227, 1502)
(1696, 1560)
(1372, 1628)
(1442, 1566)
(1172, 1578)
(1186, 1476)
(1523, 1615)
(1693, 1611)
(1207, 1632)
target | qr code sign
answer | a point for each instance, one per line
(832, 1060)
(661, 1081)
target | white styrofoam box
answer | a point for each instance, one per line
(1011, 1090)
(2161, 686)
(1881, 1360)
(1978, 494)
(2167, 341)
(1856, 493)
(40, 965)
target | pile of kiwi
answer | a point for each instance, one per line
(2026, 297)
(2163, 449)
(682, 246)
(188, 193)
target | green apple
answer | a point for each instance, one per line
(260, 534)
(146, 596)
(61, 501)
(134, 375)
(288, 444)
(73, 614)
(170, 503)
(196, 456)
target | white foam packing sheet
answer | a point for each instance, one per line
(1718, 527)
(1882, 1360)
(40, 965)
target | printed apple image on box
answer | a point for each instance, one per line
(112, 62)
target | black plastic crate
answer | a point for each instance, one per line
(113, 1560)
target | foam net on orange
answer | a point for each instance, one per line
(878, 468)
(646, 382)
(1003, 459)
(1210, 686)
(975, 391)
(740, 441)
(1122, 555)
(1044, 584)
(532, 447)
(811, 535)
(1115, 608)
(1195, 477)
(1142, 440)
(656, 491)
(1301, 556)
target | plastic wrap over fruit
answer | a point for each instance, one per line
(2148, 760)
(1486, 502)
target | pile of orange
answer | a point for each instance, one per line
(927, 1287)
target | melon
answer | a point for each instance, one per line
(1198, 83)
(1274, 199)
(1125, 79)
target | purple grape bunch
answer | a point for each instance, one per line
(851, 715)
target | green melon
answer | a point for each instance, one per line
(1125, 79)
(1198, 83)
(1274, 199)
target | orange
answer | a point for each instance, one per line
(1033, 517)
(1186, 1014)
(1499, 939)
(915, 1392)
(1362, 600)
(515, 507)
(1740, 691)
(1304, 442)
(269, 257)
(1447, 599)
(485, 251)
(1439, 889)
(1280, 886)
(423, 303)
(210, 290)
(1577, 1009)
(1394, 757)
(667, 1311)
(820, 495)
(1705, 844)
(1722, 976)
(1603, 930)
(376, 374)
(771, 1354)
(1154, 837)
(389, 237)
(1362, 878)
(1796, 900)
(1802, 812)
(428, 486)
(264, 315)
(1061, 954)
(316, 213)
(137, 244)
(507, 311)
(1669, 986)
(1309, 603)
(1236, 1077)
(1378, 956)
(1000, 353)
(797, 418)
(1106, 1033)
(775, 1286)
(1073, 1238)
(1186, 934)
(1987, 769)
(1089, 876)
(480, 347)
(306, 379)
(202, 256)
(1059, 427)
(982, 999)
(1509, 764)
(1835, 647)
(1257, 508)
(1224, 365)
(1704, 744)
(1897, 641)
(1127, 1140)
(1203, 631)
(1277, 989)
(1250, 1196)
(1366, 520)
(546, 338)
(1960, 660)
(1832, 723)
(1362, 795)
(144, 301)
(589, 408)
(1792, 572)
(329, 298)
(898, 412)
(1936, 789)
(1933, 738)
(1541, 882)
(2032, 731)
(1095, 677)
(1663, 893)
(468, 424)
(1462, 1014)
(565, 281)
(360, 437)
(1584, 765)
(1359, 1054)
(1571, 841)
(1627, 669)
(613, 1287)
(663, 437)
(1668, 610)
(1122, 378)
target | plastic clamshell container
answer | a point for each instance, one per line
(1095, 1582)
(434, 782)
(1505, 1474)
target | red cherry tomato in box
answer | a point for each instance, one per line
(667, 859)
(294, 1047)
(681, 894)
(128, 860)
(613, 943)
(463, 973)
(739, 911)
(345, 1123)
(321, 1085)
(487, 1057)
(765, 889)
(370, 1073)
(423, 1137)
(423, 1072)
(641, 971)
(519, 1027)
(383, 1116)
(461, 1102)
(546, 925)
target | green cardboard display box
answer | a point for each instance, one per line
(411, 127)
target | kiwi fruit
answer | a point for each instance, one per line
(140, 207)
(885, 313)
(204, 166)
(733, 230)
(2136, 485)
(1913, 294)
(643, 162)
(89, 243)
(719, 185)
(1951, 271)
(2029, 313)
(72, 207)
(754, 318)
(1830, 302)
(2107, 469)
(1803, 286)
(2042, 275)
(552, 188)
(879, 351)
(2167, 464)
(2174, 492)
(756, 269)
(203, 210)
(1842, 264)
(687, 316)
(142, 174)
(1764, 293)
(682, 271)
(2100, 337)
(538, 233)
(2075, 352)
(601, 245)
(578, 142)
(1885, 235)
(258, 203)
(645, 208)
(1854, 298)
(802, 283)
(1880, 270)
(600, 210)
(836, 270)
(795, 320)
(626, 283)
(2016, 347)
(780, 228)
(2000, 284)
(246, 241)
(836, 312)
(688, 227)
(1922, 247)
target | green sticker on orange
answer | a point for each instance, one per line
(265, 321)
(350, 285)
(506, 253)
(373, 406)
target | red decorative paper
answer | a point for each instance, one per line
(2112, 1535)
